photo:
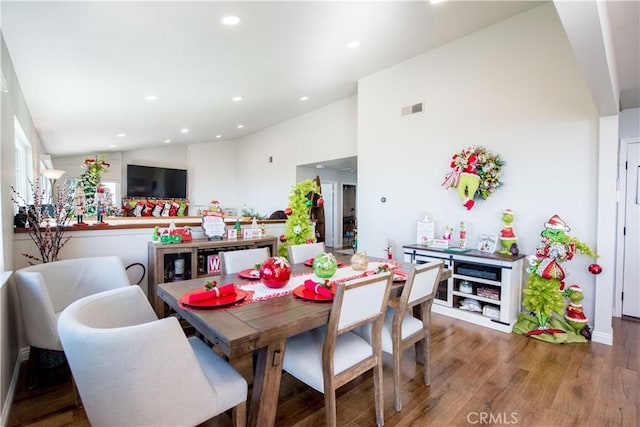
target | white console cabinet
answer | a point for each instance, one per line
(484, 288)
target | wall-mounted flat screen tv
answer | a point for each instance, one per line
(163, 183)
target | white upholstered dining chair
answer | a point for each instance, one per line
(328, 357)
(44, 290)
(402, 330)
(235, 261)
(301, 253)
(133, 369)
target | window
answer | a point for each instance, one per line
(23, 163)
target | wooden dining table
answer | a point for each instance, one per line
(262, 326)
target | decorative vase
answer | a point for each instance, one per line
(325, 265)
(275, 272)
(359, 261)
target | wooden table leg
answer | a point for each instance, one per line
(266, 385)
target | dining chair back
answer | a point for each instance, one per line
(330, 356)
(402, 329)
(132, 368)
(235, 261)
(44, 290)
(300, 253)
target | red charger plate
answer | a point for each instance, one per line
(239, 295)
(309, 263)
(399, 276)
(250, 273)
(304, 293)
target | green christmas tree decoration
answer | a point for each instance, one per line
(91, 177)
(543, 297)
(298, 228)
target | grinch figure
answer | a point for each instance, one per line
(575, 312)
(544, 294)
(507, 236)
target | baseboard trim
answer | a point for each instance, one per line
(23, 355)
(602, 337)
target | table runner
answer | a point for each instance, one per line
(258, 291)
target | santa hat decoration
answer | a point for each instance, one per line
(575, 288)
(556, 223)
(507, 211)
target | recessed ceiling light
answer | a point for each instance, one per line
(231, 20)
(113, 146)
(236, 99)
(319, 166)
(240, 126)
(121, 135)
(353, 44)
(218, 136)
(436, 1)
(167, 141)
(151, 97)
(184, 130)
(304, 98)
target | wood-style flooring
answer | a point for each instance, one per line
(479, 377)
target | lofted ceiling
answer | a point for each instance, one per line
(86, 67)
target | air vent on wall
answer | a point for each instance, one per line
(412, 109)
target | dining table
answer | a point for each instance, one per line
(261, 319)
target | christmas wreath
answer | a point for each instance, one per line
(475, 173)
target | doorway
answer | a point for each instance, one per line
(631, 236)
(328, 194)
(349, 217)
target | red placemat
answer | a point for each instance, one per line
(223, 301)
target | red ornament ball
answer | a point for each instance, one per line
(275, 272)
(309, 241)
(595, 269)
(320, 201)
(283, 238)
(288, 211)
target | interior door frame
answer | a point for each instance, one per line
(332, 214)
(622, 207)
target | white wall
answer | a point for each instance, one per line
(630, 123)
(73, 165)
(13, 105)
(212, 174)
(324, 134)
(514, 88)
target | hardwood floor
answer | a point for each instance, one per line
(479, 376)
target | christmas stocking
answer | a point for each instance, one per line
(467, 186)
